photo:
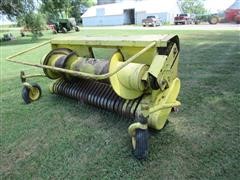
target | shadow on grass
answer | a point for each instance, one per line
(23, 40)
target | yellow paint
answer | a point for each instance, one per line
(157, 119)
(132, 128)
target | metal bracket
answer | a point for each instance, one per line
(24, 77)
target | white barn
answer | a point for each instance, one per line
(130, 12)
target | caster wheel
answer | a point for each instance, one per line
(31, 94)
(140, 144)
(77, 29)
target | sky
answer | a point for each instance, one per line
(215, 5)
(212, 5)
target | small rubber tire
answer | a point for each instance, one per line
(29, 96)
(141, 147)
(77, 29)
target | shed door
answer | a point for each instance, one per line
(129, 16)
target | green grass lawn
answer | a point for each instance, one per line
(59, 138)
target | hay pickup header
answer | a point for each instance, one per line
(138, 81)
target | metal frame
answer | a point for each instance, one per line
(77, 73)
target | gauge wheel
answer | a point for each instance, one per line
(140, 144)
(31, 94)
(77, 29)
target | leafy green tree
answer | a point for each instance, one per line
(193, 6)
(35, 22)
(24, 12)
(79, 7)
(15, 8)
(55, 9)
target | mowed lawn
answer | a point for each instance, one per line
(59, 138)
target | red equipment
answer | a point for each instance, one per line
(232, 13)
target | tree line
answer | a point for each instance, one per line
(34, 14)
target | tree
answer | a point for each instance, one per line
(55, 9)
(24, 12)
(193, 6)
(35, 22)
(15, 8)
(79, 7)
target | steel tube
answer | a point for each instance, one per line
(82, 74)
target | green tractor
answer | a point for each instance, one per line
(210, 18)
(65, 25)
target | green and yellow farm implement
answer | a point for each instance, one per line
(137, 79)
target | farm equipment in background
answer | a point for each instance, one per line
(231, 14)
(217, 18)
(25, 31)
(8, 37)
(64, 25)
(237, 18)
(210, 18)
(137, 79)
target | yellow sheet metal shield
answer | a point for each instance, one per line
(127, 83)
(157, 119)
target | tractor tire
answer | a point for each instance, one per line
(213, 20)
(197, 22)
(64, 30)
(141, 148)
(29, 96)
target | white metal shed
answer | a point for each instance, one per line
(130, 12)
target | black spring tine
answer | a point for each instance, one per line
(81, 90)
(104, 90)
(110, 100)
(129, 107)
(84, 92)
(103, 98)
(91, 96)
(97, 94)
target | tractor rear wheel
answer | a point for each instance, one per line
(64, 30)
(213, 20)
